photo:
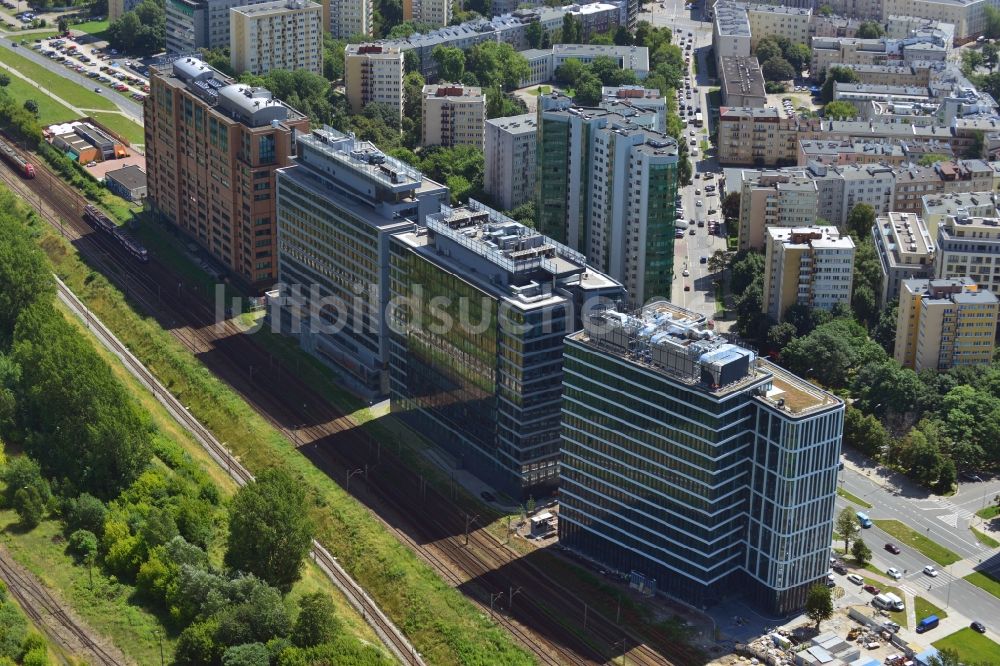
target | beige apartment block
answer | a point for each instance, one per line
(945, 323)
(906, 251)
(811, 266)
(761, 137)
(779, 21)
(212, 149)
(435, 12)
(936, 208)
(346, 18)
(968, 16)
(969, 246)
(285, 34)
(775, 198)
(373, 73)
(453, 115)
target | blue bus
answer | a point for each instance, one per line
(864, 519)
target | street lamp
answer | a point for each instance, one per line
(355, 472)
(493, 598)
(469, 519)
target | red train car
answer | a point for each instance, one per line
(13, 158)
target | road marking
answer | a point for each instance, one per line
(949, 519)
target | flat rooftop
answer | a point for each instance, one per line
(743, 76)
(953, 203)
(815, 237)
(675, 342)
(363, 157)
(731, 19)
(523, 124)
(275, 8)
(905, 234)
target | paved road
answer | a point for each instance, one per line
(943, 519)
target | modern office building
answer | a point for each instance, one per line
(509, 176)
(694, 466)
(337, 206)
(199, 24)
(476, 356)
(607, 187)
(969, 246)
(945, 323)
(373, 73)
(453, 115)
(347, 18)
(212, 147)
(282, 34)
(430, 12)
(905, 251)
(812, 266)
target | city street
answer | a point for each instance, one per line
(689, 250)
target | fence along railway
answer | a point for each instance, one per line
(545, 618)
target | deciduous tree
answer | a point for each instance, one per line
(847, 526)
(270, 531)
(317, 621)
(819, 604)
(861, 552)
(870, 30)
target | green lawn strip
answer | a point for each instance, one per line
(985, 539)
(59, 86)
(972, 647)
(914, 539)
(91, 28)
(109, 606)
(445, 626)
(853, 498)
(720, 299)
(118, 123)
(985, 581)
(923, 608)
(50, 110)
(989, 512)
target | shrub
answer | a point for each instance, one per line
(86, 512)
(82, 545)
(29, 506)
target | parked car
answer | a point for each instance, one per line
(685, 272)
(978, 626)
(972, 476)
(892, 548)
(856, 579)
(931, 571)
(872, 589)
(840, 568)
(703, 260)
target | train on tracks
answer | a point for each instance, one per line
(13, 158)
(104, 224)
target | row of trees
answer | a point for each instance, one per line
(220, 575)
(781, 59)
(141, 31)
(18, 645)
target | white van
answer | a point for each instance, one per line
(888, 601)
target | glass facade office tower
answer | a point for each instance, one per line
(606, 186)
(482, 306)
(694, 463)
(337, 207)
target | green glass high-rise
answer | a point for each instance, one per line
(481, 306)
(607, 186)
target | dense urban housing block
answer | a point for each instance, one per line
(373, 73)
(693, 465)
(810, 266)
(607, 187)
(945, 323)
(284, 34)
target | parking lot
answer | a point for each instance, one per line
(101, 64)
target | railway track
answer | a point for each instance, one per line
(546, 619)
(36, 602)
